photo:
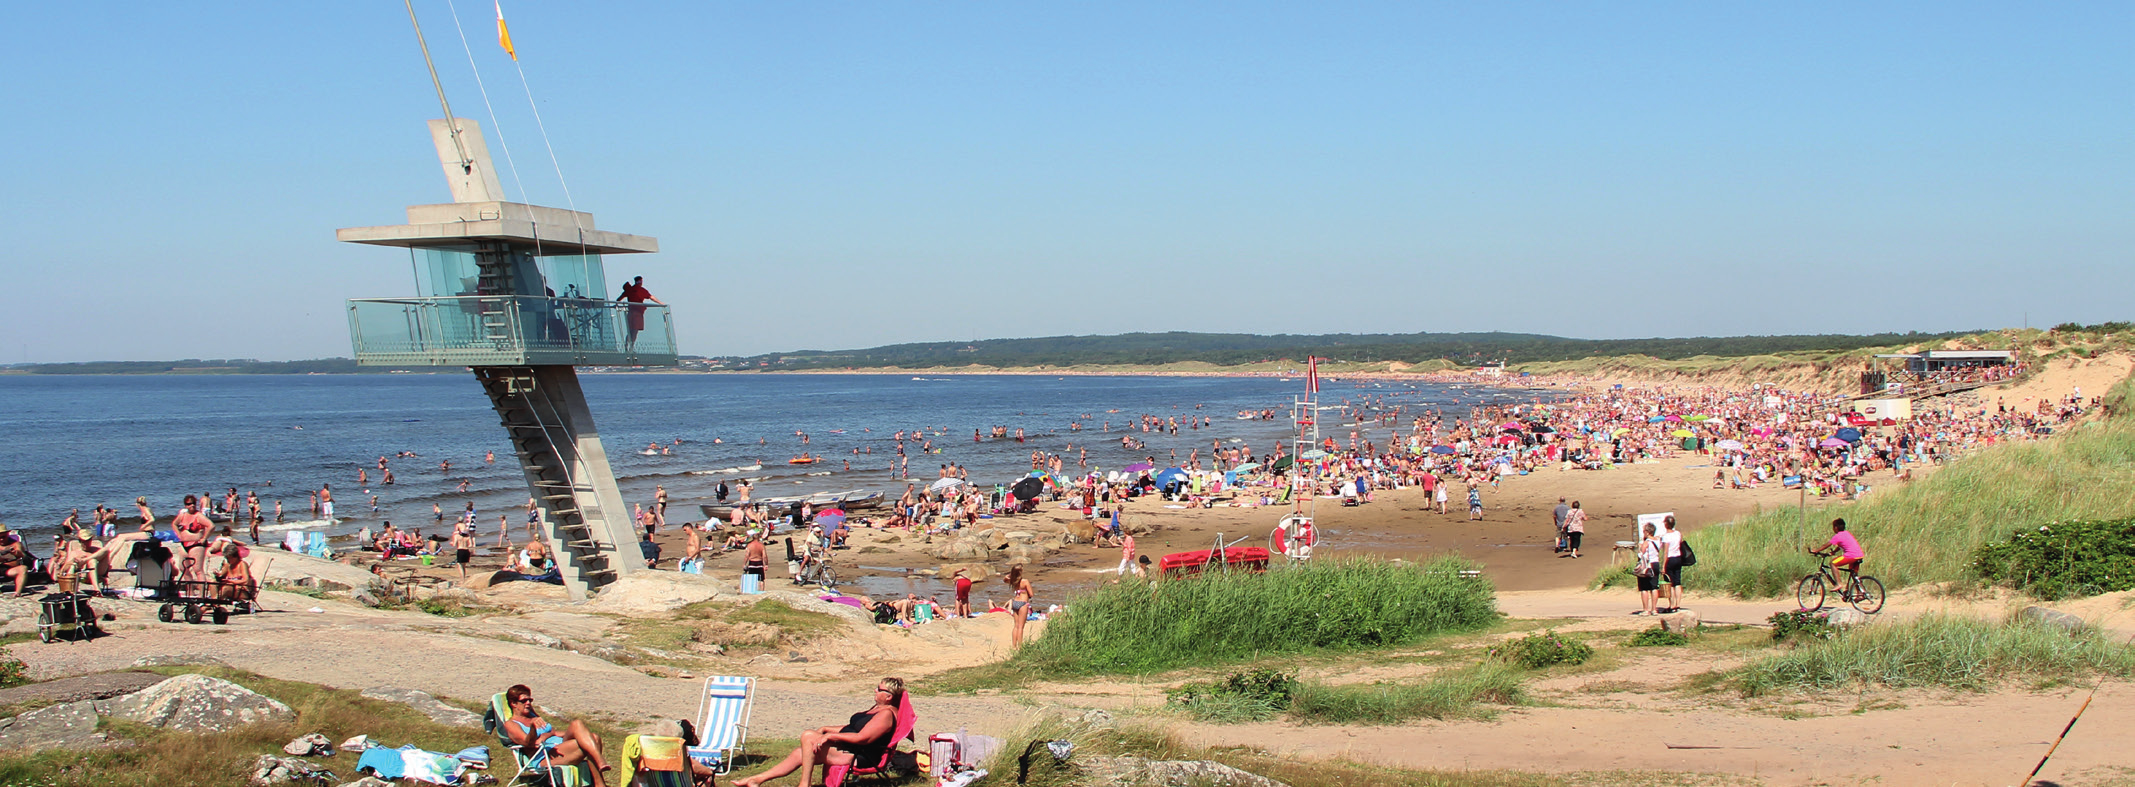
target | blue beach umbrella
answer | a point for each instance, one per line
(1166, 475)
(1441, 449)
(1849, 434)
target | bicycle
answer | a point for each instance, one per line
(1864, 592)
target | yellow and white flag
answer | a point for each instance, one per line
(504, 34)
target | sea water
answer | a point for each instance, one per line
(76, 441)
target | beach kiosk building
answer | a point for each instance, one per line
(517, 294)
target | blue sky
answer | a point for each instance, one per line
(829, 175)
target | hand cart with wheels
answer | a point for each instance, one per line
(66, 616)
(196, 600)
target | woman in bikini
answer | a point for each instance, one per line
(1019, 609)
(529, 733)
(862, 740)
(191, 527)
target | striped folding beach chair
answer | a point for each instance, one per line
(723, 721)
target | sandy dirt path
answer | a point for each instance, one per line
(1935, 739)
(355, 648)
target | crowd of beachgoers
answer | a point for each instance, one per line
(1366, 442)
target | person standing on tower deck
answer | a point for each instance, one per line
(634, 291)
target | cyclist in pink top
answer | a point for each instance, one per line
(1845, 545)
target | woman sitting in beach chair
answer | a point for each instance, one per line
(534, 738)
(863, 740)
(235, 576)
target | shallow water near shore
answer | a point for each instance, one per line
(76, 441)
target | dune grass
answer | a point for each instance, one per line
(1325, 605)
(1937, 651)
(1928, 530)
(1452, 694)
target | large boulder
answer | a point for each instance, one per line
(66, 726)
(1845, 618)
(197, 703)
(1169, 773)
(426, 705)
(658, 591)
(1081, 531)
(1684, 622)
(2053, 618)
(976, 572)
(290, 568)
(963, 550)
(271, 770)
(993, 538)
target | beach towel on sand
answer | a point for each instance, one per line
(408, 762)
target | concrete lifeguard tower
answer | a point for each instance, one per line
(517, 293)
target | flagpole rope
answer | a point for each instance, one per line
(484, 90)
(545, 136)
(543, 128)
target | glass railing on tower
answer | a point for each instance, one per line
(509, 330)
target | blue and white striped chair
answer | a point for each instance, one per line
(723, 721)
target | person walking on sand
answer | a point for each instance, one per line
(1648, 570)
(1558, 515)
(1574, 527)
(463, 546)
(1126, 555)
(1019, 608)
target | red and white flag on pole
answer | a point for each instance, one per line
(1312, 374)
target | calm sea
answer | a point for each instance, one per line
(76, 441)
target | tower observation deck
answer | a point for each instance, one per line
(517, 294)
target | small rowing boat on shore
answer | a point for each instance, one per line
(854, 500)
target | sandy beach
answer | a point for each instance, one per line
(626, 658)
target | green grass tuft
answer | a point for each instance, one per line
(1326, 605)
(1936, 651)
(1446, 695)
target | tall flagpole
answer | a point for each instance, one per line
(466, 163)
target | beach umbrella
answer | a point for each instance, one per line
(1697, 418)
(1315, 454)
(1507, 440)
(1169, 474)
(1441, 449)
(1729, 445)
(1138, 467)
(1514, 426)
(1544, 429)
(1621, 430)
(1655, 419)
(1683, 433)
(1674, 419)
(1246, 468)
(946, 483)
(830, 518)
(1280, 464)
(1849, 434)
(1832, 442)
(1028, 488)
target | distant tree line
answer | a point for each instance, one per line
(209, 366)
(1232, 349)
